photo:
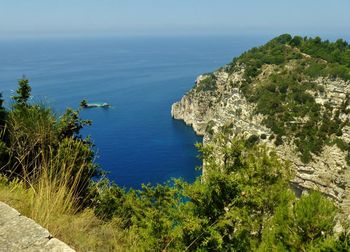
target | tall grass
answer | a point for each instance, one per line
(48, 206)
(46, 178)
(52, 169)
(57, 183)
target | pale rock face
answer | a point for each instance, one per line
(327, 173)
(19, 233)
(208, 111)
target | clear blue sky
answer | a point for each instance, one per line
(173, 17)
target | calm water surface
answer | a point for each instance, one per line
(136, 140)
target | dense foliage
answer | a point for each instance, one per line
(2, 112)
(243, 202)
(207, 84)
(328, 59)
(285, 94)
(35, 137)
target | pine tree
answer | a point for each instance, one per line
(23, 92)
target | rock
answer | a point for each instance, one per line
(19, 233)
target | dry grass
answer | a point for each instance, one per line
(81, 230)
(49, 200)
(46, 185)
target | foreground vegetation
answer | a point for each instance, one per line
(242, 203)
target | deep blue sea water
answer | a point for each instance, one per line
(136, 140)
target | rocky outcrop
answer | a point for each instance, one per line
(207, 111)
(19, 233)
(225, 106)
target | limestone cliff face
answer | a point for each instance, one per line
(217, 101)
(206, 111)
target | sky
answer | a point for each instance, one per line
(172, 17)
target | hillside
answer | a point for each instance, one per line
(293, 94)
(262, 101)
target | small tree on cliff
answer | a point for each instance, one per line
(23, 93)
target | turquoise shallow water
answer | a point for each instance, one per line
(136, 139)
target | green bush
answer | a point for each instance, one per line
(302, 225)
(253, 139)
(208, 84)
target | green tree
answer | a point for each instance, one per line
(296, 41)
(243, 185)
(71, 124)
(284, 38)
(2, 112)
(23, 92)
(83, 103)
(302, 225)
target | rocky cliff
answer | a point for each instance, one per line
(301, 112)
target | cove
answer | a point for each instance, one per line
(136, 140)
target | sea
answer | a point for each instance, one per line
(136, 140)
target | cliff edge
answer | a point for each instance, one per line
(293, 94)
(19, 233)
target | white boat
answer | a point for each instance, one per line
(95, 105)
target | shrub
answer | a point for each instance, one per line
(208, 84)
(253, 139)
